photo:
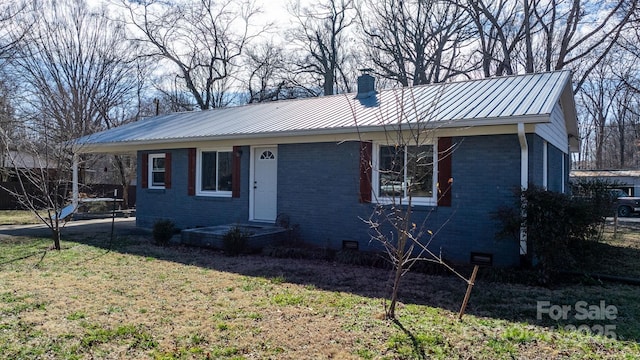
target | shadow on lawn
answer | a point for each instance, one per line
(510, 300)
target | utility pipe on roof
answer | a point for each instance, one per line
(524, 181)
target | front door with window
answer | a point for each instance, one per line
(265, 183)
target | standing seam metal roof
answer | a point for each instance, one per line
(491, 99)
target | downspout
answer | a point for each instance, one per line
(524, 181)
(74, 185)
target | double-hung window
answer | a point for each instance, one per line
(156, 171)
(403, 172)
(214, 172)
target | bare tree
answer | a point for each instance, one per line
(121, 100)
(581, 34)
(576, 34)
(203, 39)
(14, 25)
(500, 29)
(42, 169)
(405, 162)
(624, 115)
(322, 39)
(268, 78)
(597, 98)
(73, 66)
(9, 126)
(77, 76)
(416, 42)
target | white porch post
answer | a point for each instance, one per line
(75, 182)
(524, 184)
(545, 165)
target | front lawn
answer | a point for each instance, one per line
(132, 299)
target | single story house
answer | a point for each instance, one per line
(12, 163)
(327, 162)
(627, 180)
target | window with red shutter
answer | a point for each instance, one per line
(366, 148)
(445, 175)
(235, 171)
(191, 172)
(167, 170)
(144, 167)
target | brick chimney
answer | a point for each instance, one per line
(366, 84)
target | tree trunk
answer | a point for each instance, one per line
(55, 234)
(125, 195)
(391, 312)
(527, 37)
(328, 83)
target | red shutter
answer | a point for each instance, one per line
(445, 179)
(191, 171)
(144, 169)
(167, 170)
(235, 171)
(366, 150)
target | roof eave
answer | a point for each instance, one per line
(128, 146)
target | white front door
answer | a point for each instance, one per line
(265, 183)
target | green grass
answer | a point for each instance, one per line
(138, 300)
(17, 217)
(618, 255)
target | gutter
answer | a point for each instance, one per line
(524, 181)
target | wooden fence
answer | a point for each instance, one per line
(8, 202)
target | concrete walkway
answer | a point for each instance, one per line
(122, 226)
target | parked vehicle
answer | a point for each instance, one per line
(624, 204)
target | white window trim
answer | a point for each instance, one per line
(150, 172)
(415, 200)
(213, 193)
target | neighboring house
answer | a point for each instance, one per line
(321, 161)
(627, 180)
(20, 160)
(11, 163)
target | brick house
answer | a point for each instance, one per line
(324, 162)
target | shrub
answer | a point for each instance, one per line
(234, 242)
(163, 231)
(598, 203)
(556, 226)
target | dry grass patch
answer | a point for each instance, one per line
(17, 217)
(147, 302)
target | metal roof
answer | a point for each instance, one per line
(605, 173)
(526, 98)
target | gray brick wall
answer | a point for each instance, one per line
(486, 172)
(190, 211)
(556, 177)
(535, 145)
(318, 188)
